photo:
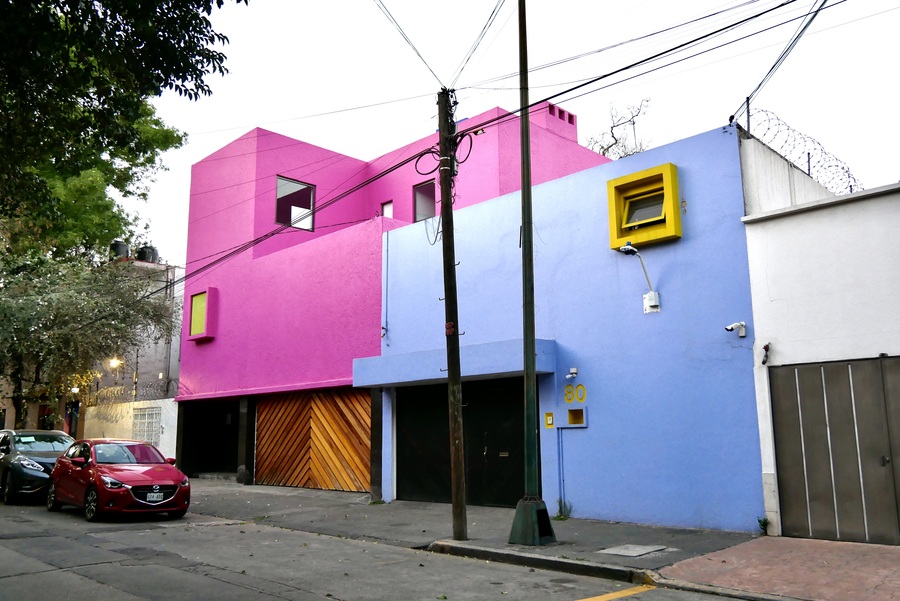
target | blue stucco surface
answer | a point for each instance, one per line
(672, 436)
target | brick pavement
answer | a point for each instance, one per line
(800, 568)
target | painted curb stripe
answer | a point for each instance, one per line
(619, 594)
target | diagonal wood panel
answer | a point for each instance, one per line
(314, 439)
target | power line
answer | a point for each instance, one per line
(637, 63)
(241, 248)
(238, 249)
(810, 16)
(477, 43)
(391, 18)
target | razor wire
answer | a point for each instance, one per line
(805, 152)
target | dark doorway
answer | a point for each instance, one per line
(208, 436)
(493, 424)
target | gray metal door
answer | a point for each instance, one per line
(837, 430)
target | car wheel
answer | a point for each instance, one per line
(177, 514)
(9, 492)
(91, 505)
(52, 503)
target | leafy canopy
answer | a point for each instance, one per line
(74, 77)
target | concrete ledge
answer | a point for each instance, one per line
(533, 560)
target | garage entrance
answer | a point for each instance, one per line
(493, 424)
(837, 442)
(314, 439)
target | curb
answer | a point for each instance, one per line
(595, 570)
(533, 560)
(710, 589)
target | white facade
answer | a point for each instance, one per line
(124, 420)
(824, 288)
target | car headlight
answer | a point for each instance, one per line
(30, 464)
(111, 483)
(186, 482)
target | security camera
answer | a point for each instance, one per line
(740, 326)
(628, 249)
(573, 373)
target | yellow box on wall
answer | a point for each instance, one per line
(644, 207)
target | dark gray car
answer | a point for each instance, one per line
(26, 460)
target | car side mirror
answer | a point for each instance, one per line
(170, 460)
(4, 449)
(79, 461)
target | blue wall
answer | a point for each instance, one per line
(671, 434)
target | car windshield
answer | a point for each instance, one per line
(127, 452)
(43, 442)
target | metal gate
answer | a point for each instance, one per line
(837, 432)
(493, 430)
(314, 439)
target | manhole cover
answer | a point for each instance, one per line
(632, 550)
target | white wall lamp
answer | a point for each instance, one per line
(651, 298)
(573, 373)
(740, 326)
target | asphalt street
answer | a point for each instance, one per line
(49, 556)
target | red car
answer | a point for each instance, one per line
(121, 476)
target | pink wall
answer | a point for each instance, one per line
(296, 309)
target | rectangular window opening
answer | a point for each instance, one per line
(643, 209)
(387, 209)
(295, 204)
(425, 200)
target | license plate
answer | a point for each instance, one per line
(154, 496)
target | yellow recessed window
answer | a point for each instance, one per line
(643, 207)
(198, 313)
(204, 309)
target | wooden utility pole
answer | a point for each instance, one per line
(447, 169)
(531, 524)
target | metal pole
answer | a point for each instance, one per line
(531, 525)
(447, 129)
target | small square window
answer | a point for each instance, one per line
(387, 209)
(203, 317)
(295, 204)
(425, 200)
(643, 207)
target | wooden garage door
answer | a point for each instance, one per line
(314, 439)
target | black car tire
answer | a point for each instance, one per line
(9, 490)
(91, 505)
(177, 514)
(52, 503)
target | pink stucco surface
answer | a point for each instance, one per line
(295, 308)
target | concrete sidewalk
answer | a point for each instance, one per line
(731, 564)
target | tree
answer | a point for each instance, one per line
(74, 78)
(616, 143)
(81, 216)
(59, 316)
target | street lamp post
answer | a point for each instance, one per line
(115, 363)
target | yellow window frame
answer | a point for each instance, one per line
(624, 192)
(204, 306)
(198, 314)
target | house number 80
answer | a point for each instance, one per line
(575, 393)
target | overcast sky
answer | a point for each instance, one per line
(340, 75)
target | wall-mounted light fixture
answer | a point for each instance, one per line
(651, 298)
(573, 373)
(740, 326)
